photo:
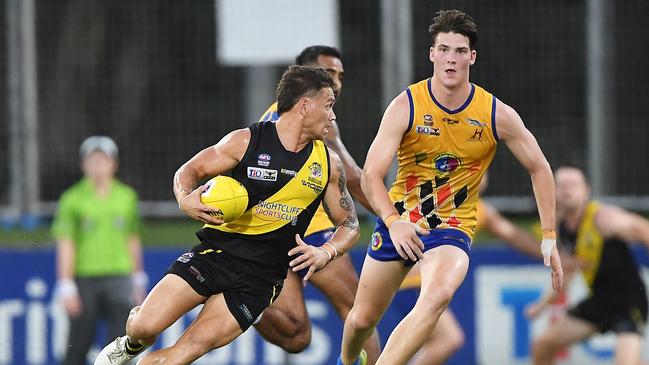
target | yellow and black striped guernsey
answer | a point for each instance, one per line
(284, 190)
(610, 271)
(320, 221)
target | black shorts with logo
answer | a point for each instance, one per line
(210, 271)
(629, 315)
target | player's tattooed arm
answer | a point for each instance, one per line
(351, 221)
(339, 206)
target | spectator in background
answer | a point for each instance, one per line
(98, 252)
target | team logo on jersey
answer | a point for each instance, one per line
(377, 241)
(446, 163)
(450, 121)
(184, 258)
(257, 173)
(263, 159)
(475, 123)
(428, 120)
(429, 131)
(316, 170)
(477, 135)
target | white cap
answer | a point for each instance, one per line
(98, 143)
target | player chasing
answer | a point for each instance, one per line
(444, 131)
(599, 236)
(286, 322)
(238, 268)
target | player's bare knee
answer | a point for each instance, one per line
(362, 320)
(298, 343)
(137, 327)
(435, 301)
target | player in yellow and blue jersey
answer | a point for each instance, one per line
(444, 131)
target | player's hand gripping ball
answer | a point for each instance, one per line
(227, 195)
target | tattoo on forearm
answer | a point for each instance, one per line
(342, 178)
(351, 221)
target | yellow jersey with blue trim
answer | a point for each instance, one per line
(442, 157)
(320, 220)
(284, 188)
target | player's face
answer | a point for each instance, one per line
(321, 112)
(452, 57)
(334, 67)
(98, 166)
(571, 189)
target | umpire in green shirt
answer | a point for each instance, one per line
(98, 254)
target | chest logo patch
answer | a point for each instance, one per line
(257, 173)
(446, 163)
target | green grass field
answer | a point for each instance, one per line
(178, 233)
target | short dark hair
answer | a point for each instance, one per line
(309, 55)
(575, 166)
(454, 21)
(298, 82)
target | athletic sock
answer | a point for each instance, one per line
(131, 348)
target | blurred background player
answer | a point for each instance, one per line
(99, 258)
(239, 267)
(444, 131)
(599, 236)
(286, 322)
(448, 336)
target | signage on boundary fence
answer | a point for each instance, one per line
(489, 306)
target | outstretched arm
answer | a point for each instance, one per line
(616, 222)
(339, 206)
(523, 145)
(212, 161)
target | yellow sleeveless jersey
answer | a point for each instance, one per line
(442, 158)
(320, 220)
(610, 269)
(285, 188)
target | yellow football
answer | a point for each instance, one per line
(226, 194)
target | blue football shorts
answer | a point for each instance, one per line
(381, 247)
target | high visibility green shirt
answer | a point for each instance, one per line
(99, 227)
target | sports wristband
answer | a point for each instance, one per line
(327, 251)
(65, 288)
(140, 279)
(391, 218)
(547, 244)
(550, 233)
(335, 253)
